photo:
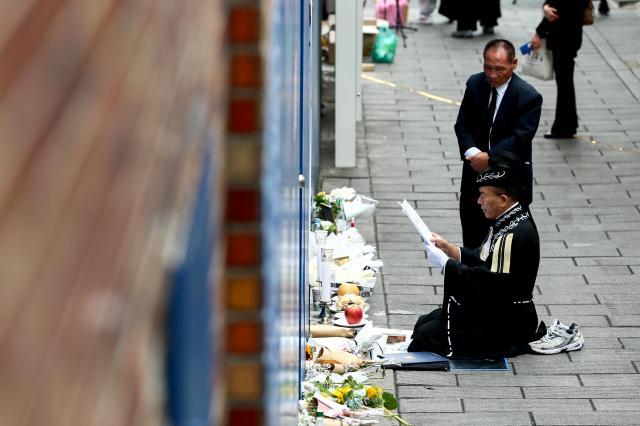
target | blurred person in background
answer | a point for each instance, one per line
(469, 12)
(561, 26)
(427, 7)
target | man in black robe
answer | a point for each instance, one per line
(487, 308)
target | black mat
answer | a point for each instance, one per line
(479, 364)
(426, 361)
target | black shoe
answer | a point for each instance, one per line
(462, 34)
(488, 31)
(552, 135)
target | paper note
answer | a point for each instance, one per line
(417, 221)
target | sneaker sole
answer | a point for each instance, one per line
(570, 347)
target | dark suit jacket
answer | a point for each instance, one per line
(513, 129)
(565, 34)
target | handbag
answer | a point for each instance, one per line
(589, 11)
(538, 63)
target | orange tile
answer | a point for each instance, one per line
(244, 24)
(245, 381)
(242, 249)
(243, 205)
(245, 71)
(244, 338)
(243, 293)
(243, 116)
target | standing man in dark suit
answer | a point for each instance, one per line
(499, 112)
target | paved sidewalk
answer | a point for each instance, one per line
(586, 205)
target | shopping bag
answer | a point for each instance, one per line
(387, 10)
(384, 46)
(538, 63)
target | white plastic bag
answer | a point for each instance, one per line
(538, 63)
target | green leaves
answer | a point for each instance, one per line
(390, 401)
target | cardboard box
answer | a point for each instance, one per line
(368, 37)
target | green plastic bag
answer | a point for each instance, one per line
(384, 46)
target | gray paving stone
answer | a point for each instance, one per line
(459, 392)
(574, 299)
(610, 278)
(600, 289)
(537, 405)
(589, 418)
(497, 419)
(630, 342)
(613, 260)
(519, 380)
(411, 278)
(593, 392)
(613, 331)
(581, 320)
(618, 298)
(425, 405)
(625, 320)
(618, 405)
(426, 378)
(621, 380)
(578, 367)
(598, 354)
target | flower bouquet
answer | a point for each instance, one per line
(359, 396)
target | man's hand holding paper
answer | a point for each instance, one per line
(435, 256)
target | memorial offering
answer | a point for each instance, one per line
(338, 384)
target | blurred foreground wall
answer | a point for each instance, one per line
(152, 219)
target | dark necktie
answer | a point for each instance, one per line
(490, 111)
(492, 106)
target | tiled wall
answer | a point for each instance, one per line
(115, 116)
(105, 108)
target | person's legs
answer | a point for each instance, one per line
(467, 14)
(489, 15)
(566, 120)
(427, 7)
(603, 7)
(429, 334)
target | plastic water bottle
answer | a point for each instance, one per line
(341, 219)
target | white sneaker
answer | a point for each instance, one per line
(559, 338)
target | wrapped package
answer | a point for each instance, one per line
(337, 356)
(322, 330)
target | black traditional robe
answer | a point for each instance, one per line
(487, 309)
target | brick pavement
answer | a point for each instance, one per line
(586, 204)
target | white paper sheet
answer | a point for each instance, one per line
(417, 221)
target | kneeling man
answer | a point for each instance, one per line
(487, 309)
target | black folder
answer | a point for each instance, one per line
(415, 361)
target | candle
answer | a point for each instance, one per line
(326, 274)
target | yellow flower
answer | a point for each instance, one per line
(371, 392)
(346, 388)
(308, 351)
(338, 394)
(379, 391)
